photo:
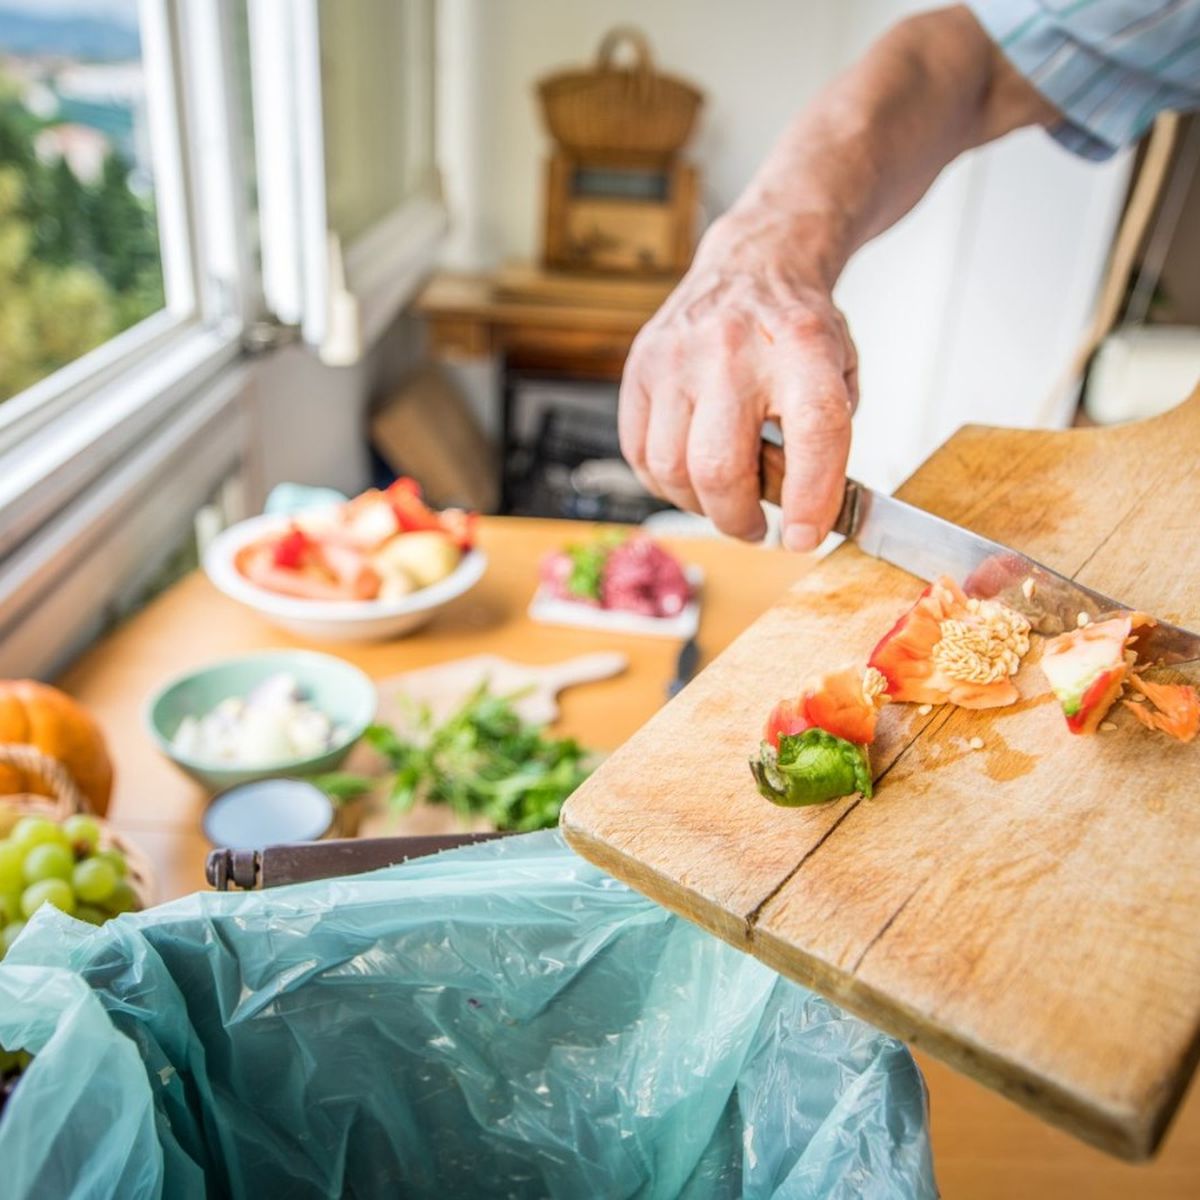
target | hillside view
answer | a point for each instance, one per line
(79, 258)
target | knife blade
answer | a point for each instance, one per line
(927, 546)
(685, 667)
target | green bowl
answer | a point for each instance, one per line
(332, 685)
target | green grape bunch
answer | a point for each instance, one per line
(47, 862)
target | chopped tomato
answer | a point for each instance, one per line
(307, 582)
(353, 572)
(917, 673)
(1086, 668)
(460, 526)
(1177, 705)
(309, 570)
(411, 511)
(292, 550)
(366, 522)
(837, 703)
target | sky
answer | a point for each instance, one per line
(124, 11)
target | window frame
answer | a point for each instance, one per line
(100, 460)
(104, 460)
(342, 297)
(66, 429)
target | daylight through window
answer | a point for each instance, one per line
(79, 251)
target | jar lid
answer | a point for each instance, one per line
(265, 812)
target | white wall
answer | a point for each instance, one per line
(968, 310)
(757, 60)
(313, 417)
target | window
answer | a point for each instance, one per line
(349, 197)
(167, 180)
(79, 253)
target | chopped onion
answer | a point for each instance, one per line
(274, 723)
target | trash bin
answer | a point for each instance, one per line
(503, 1020)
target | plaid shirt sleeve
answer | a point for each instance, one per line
(1109, 66)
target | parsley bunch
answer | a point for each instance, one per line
(483, 760)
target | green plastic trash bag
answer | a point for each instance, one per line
(504, 1020)
(81, 1122)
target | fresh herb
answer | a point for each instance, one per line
(343, 786)
(483, 760)
(588, 560)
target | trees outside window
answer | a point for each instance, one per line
(79, 252)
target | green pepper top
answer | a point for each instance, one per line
(811, 768)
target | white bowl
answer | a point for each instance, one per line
(331, 620)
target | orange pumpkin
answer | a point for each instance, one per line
(38, 715)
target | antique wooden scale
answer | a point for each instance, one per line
(619, 198)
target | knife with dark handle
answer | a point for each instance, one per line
(927, 546)
(301, 862)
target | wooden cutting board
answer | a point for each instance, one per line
(1030, 912)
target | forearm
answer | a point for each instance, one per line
(752, 332)
(866, 150)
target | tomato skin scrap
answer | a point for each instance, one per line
(1177, 705)
(905, 655)
(836, 703)
(1087, 668)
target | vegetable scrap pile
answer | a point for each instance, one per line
(378, 546)
(483, 761)
(617, 571)
(952, 649)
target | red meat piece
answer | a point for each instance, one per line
(641, 577)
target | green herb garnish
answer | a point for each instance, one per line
(587, 564)
(483, 760)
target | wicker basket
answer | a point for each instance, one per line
(631, 113)
(67, 800)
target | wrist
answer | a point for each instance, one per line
(760, 238)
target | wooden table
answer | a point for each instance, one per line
(192, 624)
(984, 1148)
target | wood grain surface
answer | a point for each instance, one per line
(1027, 912)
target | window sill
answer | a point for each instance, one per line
(378, 275)
(42, 473)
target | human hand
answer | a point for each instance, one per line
(750, 333)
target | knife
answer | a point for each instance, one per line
(927, 546)
(685, 667)
(301, 862)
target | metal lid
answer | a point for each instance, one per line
(263, 812)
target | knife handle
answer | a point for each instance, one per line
(771, 466)
(770, 472)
